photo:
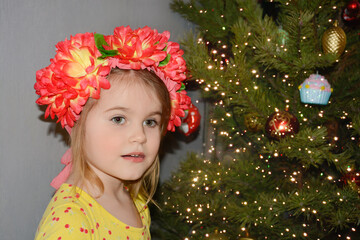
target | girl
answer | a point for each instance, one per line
(112, 168)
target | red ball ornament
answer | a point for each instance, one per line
(353, 180)
(191, 121)
(281, 124)
(351, 11)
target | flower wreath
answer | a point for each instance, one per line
(80, 67)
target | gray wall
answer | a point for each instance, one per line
(31, 147)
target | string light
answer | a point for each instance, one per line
(234, 82)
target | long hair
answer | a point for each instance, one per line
(146, 185)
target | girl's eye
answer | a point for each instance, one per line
(118, 120)
(151, 123)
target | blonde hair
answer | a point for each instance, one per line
(146, 185)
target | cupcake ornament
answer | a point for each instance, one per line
(315, 90)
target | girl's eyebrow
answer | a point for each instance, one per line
(125, 109)
(118, 108)
(155, 113)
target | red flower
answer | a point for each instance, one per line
(178, 106)
(74, 75)
(81, 65)
(176, 67)
(137, 49)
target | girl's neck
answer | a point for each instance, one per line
(116, 191)
(113, 188)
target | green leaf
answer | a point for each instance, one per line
(100, 42)
(182, 87)
(165, 61)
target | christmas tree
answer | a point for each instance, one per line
(282, 79)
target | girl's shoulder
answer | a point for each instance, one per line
(67, 215)
(68, 195)
(73, 214)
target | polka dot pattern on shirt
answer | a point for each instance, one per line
(73, 214)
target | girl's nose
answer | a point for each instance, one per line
(137, 134)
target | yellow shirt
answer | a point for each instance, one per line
(76, 215)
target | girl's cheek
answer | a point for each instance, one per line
(108, 141)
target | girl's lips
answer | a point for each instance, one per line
(134, 157)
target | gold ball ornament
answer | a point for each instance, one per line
(246, 237)
(253, 122)
(216, 236)
(227, 160)
(334, 40)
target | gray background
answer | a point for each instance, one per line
(31, 147)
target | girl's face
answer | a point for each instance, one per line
(122, 131)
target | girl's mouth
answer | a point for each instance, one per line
(134, 157)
